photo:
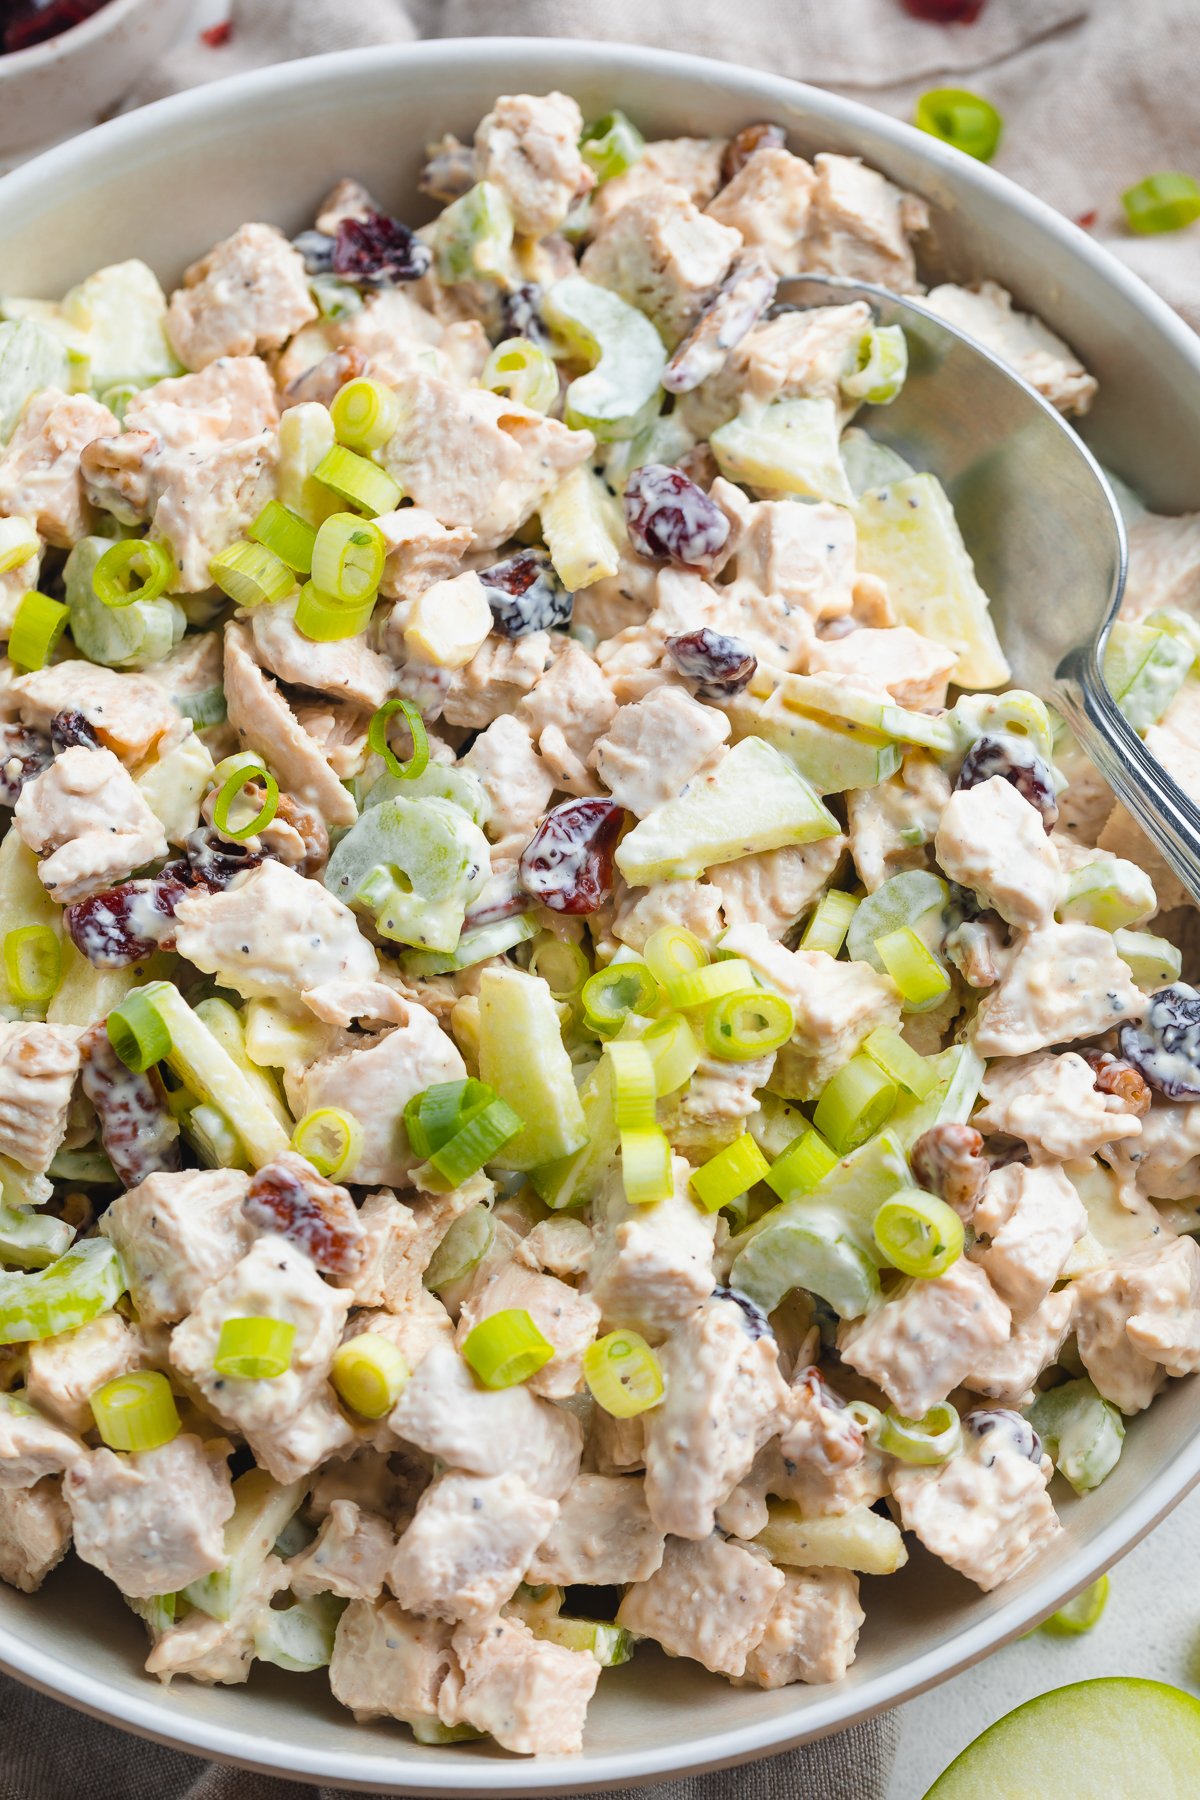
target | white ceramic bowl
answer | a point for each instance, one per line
(164, 184)
(70, 80)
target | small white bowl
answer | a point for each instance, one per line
(67, 82)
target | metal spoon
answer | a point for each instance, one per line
(1043, 529)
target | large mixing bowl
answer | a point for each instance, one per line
(164, 184)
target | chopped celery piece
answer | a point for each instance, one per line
(909, 537)
(473, 236)
(805, 1248)
(416, 865)
(473, 947)
(1144, 670)
(31, 1240)
(620, 393)
(572, 1180)
(1179, 623)
(901, 1062)
(1152, 961)
(299, 1637)
(609, 1644)
(31, 358)
(437, 781)
(1015, 713)
(755, 800)
(1081, 1432)
(583, 529)
(916, 898)
(958, 1074)
(834, 756)
(463, 1248)
(831, 700)
(1081, 1613)
(1109, 893)
(611, 145)
(522, 1056)
(206, 1067)
(84, 1282)
(262, 1507)
(787, 447)
(857, 1539)
(853, 1191)
(120, 637)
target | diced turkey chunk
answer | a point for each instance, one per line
(496, 680)
(63, 1372)
(696, 905)
(348, 669)
(178, 1233)
(265, 722)
(986, 1512)
(812, 1632)
(1139, 1317)
(517, 783)
(603, 1536)
(420, 551)
(1009, 1372)
(655, 747)
(891, 824)
(826, 1466)
(987, 314)
(709, 1601)
(768, 202)
(560, 1246)
(1063, 982)
(469, 1545)
(861, 226)
(528, 145)
(388, 1664)
(798, 355)
(993, 841)
(375, 1083)
(927, 1336)
(35, 1533)
(913, 668)
(724, 1398)
(774, 888)
(40, 477)
(130, 714)
(230, 399)
(1054, 1105)
(154, 1520)
(297, 1446)
(38, 1066)
(528, 1694)
(32, 1447)
(566, 712)
(88, 822)
(565, 1318)
(691, 163)
(272, 932)
(663, 256)
(207, 496)
(652, 1265)
(272, 1281)
(1164, 564)
(349, 1556)
(250, 293)
(445, 1412)
(218, 1650)
(714, 1107)
(474, 459)
(1026, 1225)
(1165, 1161)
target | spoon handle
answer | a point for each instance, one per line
(1166, 814)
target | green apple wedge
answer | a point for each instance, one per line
(1115, 1738)
(756, 799)
(522, 1056)
(833, 754)
(788, 447)
(825, 698)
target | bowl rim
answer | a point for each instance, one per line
(826, 1710)
(76, 37)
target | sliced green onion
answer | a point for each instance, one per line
(327, 620)
(359, 483)
(255, 1349)
(331, 1140)
(286, 535)
(18, 543)
(522, 371)
(928, 1440)
(611, 995)
(377, 739)
(913, 967)
(365, 414)
(137, 1032)
(611, 145)
(730, 1172)
(646, 1166)
(961, 118)
(369, 1373)
(32, 963)
(881, 368)
(476, 1142)
(827, 928)
(700, 987)
(623, 1374)
(348, 558)
(132, 569)
(1165, 202)
(506, 1348)
(743, 1026)
(674, 1053)
(229, 792)
(632, 1085)
(432, 1117)
(251, 574)
(901, 1062)
(38, 624)
(136, 1412)
(560, 964)
(1081, 1613)
(854, 1105)
(463, 1248)
(1152, 961)
(803, 1166)
(671, 951)
(918, 1233)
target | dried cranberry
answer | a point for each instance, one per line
(568, 865)
(521, 315)
(378, 251)
(217, 36)
(1016, 761)
(669, 516)
(26, 22)
(136, 1128)
(944, 12)
(288, 1196)
(1165, 1047)
(23, 754)
(128, 923)
(214, 860)
(525, 594)
(68, 729)
(744, 143)
(987, 1419)
(719, 665)
(755, 1319)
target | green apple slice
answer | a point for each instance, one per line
(833, 754)
(826, 699)
(522, 1056)
(788, 447)
(1116, 1738)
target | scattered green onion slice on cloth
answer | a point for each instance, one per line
(958, 117)
(1166, 202)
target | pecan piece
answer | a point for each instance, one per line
(1113, 1075)
(948, 1160)
(739, 303)
(136, 1128)
(318, 1216)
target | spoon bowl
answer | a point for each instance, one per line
(1043, 529)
